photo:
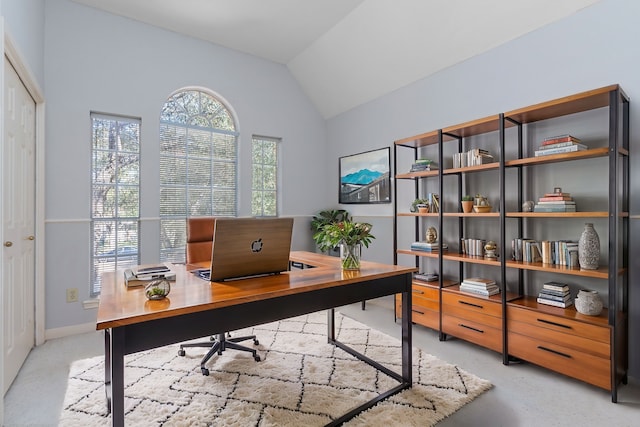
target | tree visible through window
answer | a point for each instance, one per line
(198, 166)
(264, 194)
(115, 201)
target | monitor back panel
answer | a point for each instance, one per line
(245, 247)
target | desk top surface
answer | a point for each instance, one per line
(121, 306)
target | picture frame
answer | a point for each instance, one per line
(365, 177)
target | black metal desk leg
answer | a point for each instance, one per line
(331, 326)
(107, 368)
(117, 377)
(407, 361)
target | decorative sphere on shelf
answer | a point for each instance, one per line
(527, 206)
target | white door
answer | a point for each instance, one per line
(18, 246)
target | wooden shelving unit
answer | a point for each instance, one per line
(590, 348)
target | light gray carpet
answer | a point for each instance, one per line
(301, 380)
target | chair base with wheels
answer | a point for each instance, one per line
(218, 345)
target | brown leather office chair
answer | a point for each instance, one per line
(198, 249)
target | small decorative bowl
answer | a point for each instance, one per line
(481, 209)
(157, 289)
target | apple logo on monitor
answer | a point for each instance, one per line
(256, 245)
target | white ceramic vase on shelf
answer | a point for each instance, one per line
(588, 302)
(589, 248)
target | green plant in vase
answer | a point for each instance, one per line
(323, 218)
(350, 236)
(467, 203)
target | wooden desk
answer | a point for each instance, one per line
(196, 308)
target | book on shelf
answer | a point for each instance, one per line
(554, 208)
(555, 199)
(479, 281)
(557, 202)
(555, 303)
(428, 247)
(553, 297)
(557, 194)
(560, 138)
(479, 291)
(557, 145)
(570, 149)
(556, 286)
(426, 277)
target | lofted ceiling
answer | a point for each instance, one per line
(345, 53)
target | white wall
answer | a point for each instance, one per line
(24, 21)
(96, 61)
(593, 48)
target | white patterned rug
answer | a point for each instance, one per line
(301, 381)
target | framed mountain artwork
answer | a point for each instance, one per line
(365, 177)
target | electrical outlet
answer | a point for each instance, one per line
(72, 294)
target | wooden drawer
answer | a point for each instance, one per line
(472, 331)
(559, 324)
(585, 367)
(478, 305)
(481, 318)
(425, 292)
(420, 314)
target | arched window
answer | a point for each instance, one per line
(198, 165)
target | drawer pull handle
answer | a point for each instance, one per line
(469, 327)
(416, 311)
(471, 304)
(554, 323)
(554, 352)
(415, 291)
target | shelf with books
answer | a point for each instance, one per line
(598, 120)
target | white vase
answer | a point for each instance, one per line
(589, 248)
(588, 302)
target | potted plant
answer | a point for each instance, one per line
(420, 205)
(467, 203)
(350, 236)
(325, 217)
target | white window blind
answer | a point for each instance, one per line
(115, 198)
(264, 189)
(198, 166)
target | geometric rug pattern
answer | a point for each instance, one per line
(300, 381)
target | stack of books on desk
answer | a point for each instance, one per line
(142, 275)
(556, 294)
(428, 247)
(480, 286)
(555, 202)
(559, 144)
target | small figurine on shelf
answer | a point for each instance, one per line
(490, 250)
(432, 235)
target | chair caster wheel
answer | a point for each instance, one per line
(257, 358)
(181, 352)
(205, 372)
(256, 342)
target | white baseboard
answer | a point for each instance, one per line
(66, 331)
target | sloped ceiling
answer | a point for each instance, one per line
(347, 52)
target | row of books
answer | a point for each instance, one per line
(428, 247)
(558, 252)
(559, 144)
(473, 157)
(556, 294)
(555, 202)
(473, 247)
(479, 286)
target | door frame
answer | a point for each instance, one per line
(13, 55)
